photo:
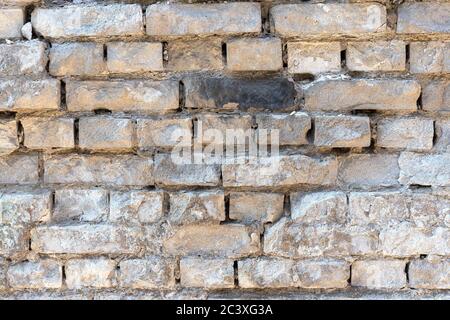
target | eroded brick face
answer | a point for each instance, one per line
(110, 111)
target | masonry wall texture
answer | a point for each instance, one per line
(93, 207)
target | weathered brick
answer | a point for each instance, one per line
(18, 2)
(442, 133)
(77, 59)
(171, 174)
(283, 171)
(292, 128)
(88, 21)
(122, 170)
(89, 205)
(376, 56)
(13, 241)
(369, 170)
(135, 207)
(363, 94)
(295, 240)
(230, 240)
(248, 207)
(341, 131)
(424, 169)
(379, 274)
(19, 169)
(377, 208)
(23, 58)
(131, 57)
(436, 96)
(206, 273)
(429, 274)
(149, 273)
(290, 20)
(232, 94)
(11, 21)
(405, 239)
(322, 274)
(195, 55)
(85, 239)
(429, 57)
(427, 210)
(314, 58)
(427, 17)
(193, 207)
(266, 272)
(106, 133)
(319, 207)
(247, 54)
(35, 275)
(48, 133)
(22, 207)
(8, 136)
(29, 95)
(138, 96)
(408, 133)
(94, 273)
(3, 267)
(221, 19)
(166, 133)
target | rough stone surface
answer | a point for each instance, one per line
(442, 134)
(341, 131)
(222, 18)
(423, 169)
(19, 169)
(8, 136)
(14, 241)
(11, 21)
(320, 207)
(25, 208)
(195, 55)
(376, 56)
(292, 128)
(408, 133)
(314, 58)
(436, 96)
(95, 273)
(254, 54)
(210, 273)
(426, 17)
(105, 133)
(429, 274)
(266, 273)
(165, 133)
(135, 207)
(42, 133)
(248, 207)
(35, 275)
(134, 57)
(149, 273)
(429, 57)
(322, 274)
(23, 58)
(379, 274)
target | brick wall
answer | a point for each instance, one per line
(92, 205)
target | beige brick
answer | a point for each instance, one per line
(29, 95)
(123, 170)
(134, 57)
(248, 207)
(314, 58)
(229, 241)
(424, 169)
(428, 210)
(429, 274)
(408, 133)
(436, 96)
(88, 21)
(290, 20)
(3, 267)
(442, 131)
(292, 128)
(266, 273)
(18, 208)
(376, 56)
(94, 273)
(138, 96)
(342, 131)
(19, 169)
(319, 207)
(106, 133)
(18, 2)
(221, 19)
(247, 54)
(150, 273)
(429, 57)
(8, 136)
(14, 241)
(11, 21)
(206, 273)
(86, 239)
(35, 275)
(77, 59)
(283, 171)
(369, 170)
(194, 207)
(23, 58)
(379, 274)
(427, 17)
(89, 205)
(195, 55)
(136, 207)
(322, 274)
(166, 133)
(48, 133)
(363, 94)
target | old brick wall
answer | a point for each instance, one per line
(92, 206)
